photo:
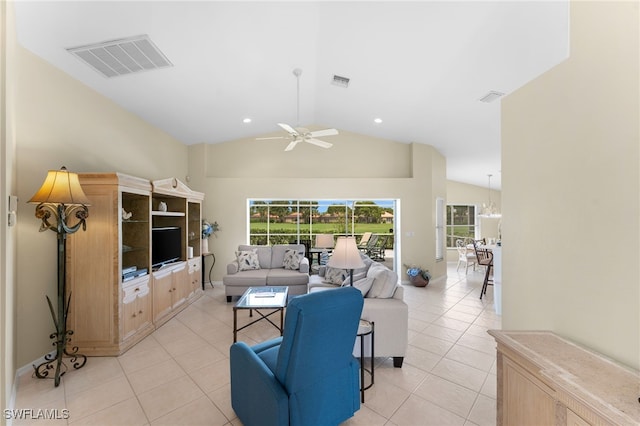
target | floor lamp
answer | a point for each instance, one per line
(346, 256)
(60, 198)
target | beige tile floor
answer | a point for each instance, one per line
(179, 375)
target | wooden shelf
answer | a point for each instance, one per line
(172, 214)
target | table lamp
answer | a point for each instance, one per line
(60, 198)
(346, 256)
(324, 241)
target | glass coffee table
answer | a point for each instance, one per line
(261, 298)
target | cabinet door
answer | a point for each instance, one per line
(527, 401)
(136, 312)
(129, 322)
(181, 285)
(195, 274)
(162, 293)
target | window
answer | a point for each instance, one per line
(461, 223)
(439, 229)
(287, 221)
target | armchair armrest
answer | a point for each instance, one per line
(233, 267)
(304, 265)
(399, 293)
(256, 395)
(322, 269)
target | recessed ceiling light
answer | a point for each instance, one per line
(377, 120)
(246, 120)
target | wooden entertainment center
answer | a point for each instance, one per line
(117, 298)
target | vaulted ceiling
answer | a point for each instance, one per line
(420, 66)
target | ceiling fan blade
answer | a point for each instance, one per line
(291, 145)
(320, 133)
(273, 137)
(288, 128)
(320, 143)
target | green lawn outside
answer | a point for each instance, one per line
(281, 233)
(320, 228)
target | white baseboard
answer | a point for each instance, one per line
(19, 372)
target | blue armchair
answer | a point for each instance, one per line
(309, 375)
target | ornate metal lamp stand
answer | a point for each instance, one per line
(60, 198)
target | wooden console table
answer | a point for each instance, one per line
(544, 379)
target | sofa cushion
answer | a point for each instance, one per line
(247, 260)
(292, 259)
(281, 276)
(252, 278)
(264, 254)
(384, 281)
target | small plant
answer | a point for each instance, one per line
(414, 271)
(209, 228)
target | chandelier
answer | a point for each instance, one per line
(489, 210)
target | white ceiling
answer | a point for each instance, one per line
(419, 66)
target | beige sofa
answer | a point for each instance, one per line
(383, 305)
(269, 269)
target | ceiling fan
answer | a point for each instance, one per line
(300, 134)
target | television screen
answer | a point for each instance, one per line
(166, 245)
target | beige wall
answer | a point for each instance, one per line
(59, 121)
(463, 193)
(416, 176)
(7, 234)
(570, 156)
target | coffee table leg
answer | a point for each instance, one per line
(281, 321)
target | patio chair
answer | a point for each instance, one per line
(376, 252)
(364, 240)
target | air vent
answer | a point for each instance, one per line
(122, 57)
(340, 81)
(491, 96)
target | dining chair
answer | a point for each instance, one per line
(485, 258)
(465, 256)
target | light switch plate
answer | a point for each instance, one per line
(13, 203)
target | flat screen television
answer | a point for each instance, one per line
(166, 245)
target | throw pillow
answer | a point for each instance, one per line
(291, 260)
(335, 275)
(364, 285)
(247, 260)
(384, 282)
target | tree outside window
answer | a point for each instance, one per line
(461, 223)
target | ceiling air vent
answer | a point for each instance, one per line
(340, 81)
(123, 56)
(491, 96)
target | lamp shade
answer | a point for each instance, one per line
(324, 241)
(346, 254)
(61, 187)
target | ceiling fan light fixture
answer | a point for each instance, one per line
(300, 134)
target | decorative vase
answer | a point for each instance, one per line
(205, 246)
(419, 281)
